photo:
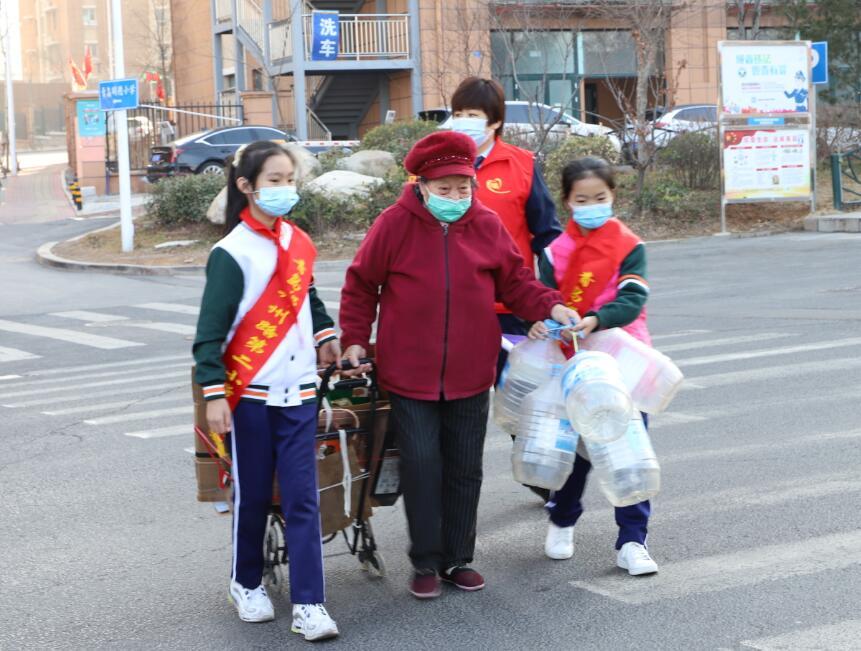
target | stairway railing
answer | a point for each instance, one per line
(223, 11)
(251, 20)
(316, 129)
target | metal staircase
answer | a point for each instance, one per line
(343, 101)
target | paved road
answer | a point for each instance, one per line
(757, 530)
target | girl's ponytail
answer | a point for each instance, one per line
(237, 201)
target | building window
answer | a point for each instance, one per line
(257, 79)
(89, 16)
(94, 49)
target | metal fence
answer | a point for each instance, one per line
(846, 179)
(150, 126)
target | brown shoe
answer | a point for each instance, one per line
(464, 578)
(425, 586)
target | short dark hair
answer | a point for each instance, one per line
(585, 167)
(484, 94)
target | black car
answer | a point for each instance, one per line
(205, 152)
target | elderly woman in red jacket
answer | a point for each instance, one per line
(435, 262)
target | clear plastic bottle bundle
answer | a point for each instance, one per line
(650, 376)
(596, 399)
(627, 468)
(529, 365)
(544, 450)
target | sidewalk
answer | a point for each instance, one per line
(35, 195)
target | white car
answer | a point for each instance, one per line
(525, 118)
(684, 119)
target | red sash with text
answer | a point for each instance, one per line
(266, 324)
(596, 259)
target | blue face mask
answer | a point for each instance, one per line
(446, 210)
(277, 200)
(592, 216)
(475, 128)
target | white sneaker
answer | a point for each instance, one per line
(252, 605)
(312, 621)
(635, 558)
(559, 544)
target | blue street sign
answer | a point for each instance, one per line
(820, 62)
(326, 29)
(118, 94)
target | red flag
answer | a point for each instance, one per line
(88, 63)
(159, 90)
(78, 81)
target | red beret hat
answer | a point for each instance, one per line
(442, 153)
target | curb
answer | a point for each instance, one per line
(46, 257)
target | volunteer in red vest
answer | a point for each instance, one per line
(260, 332)
(509, 183)
(434, 263)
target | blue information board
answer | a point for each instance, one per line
(326, 30)
(91, 119)
(118, 94)
(819, 75)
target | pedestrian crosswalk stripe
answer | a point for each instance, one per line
(146, 390)
(72, 336)
(95, 367)
(724, 341)
(162, 432)
(179, 308)
(90, 317)
(9, 377)
(77, 377)
(14, 355)
(733, 570)
(842, 636)
(177, 328)
(753, 354)
(680, 333)
(772, 372)
(140, 415)
(75, 386)
(119, 404)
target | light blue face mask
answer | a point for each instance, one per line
(475, 128)
(592, 216)
(447, 210)
(277, 200)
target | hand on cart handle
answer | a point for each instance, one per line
(329, 353)
(352, 361)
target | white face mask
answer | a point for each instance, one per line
(475, 128)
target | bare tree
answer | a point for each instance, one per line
(753, 9)
(647, 21)
(155, 40)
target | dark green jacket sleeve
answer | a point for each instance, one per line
(221, 297)
(633, 293)
(545, 271)
(324, 326)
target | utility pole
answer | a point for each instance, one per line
(11, 145)
(121, 133)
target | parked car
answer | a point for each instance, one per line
(525, 118)
(207, 151)
(665, 125)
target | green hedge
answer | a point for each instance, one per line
(183, 199)
(398, 137)
(694, 159)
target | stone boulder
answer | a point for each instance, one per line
(309, 166)
(370, 163)
(341, 183)
(215, 212)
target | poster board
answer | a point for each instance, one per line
(766, 117)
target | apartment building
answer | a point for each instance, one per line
(408, 55)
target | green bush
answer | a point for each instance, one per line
(320, 214)
(666, 196)
(398, 137)
(329, 159)
(183, 199)
(694, 159)
(568, 149)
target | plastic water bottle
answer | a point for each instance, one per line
(627, 468)
(596, 399)
(650, 376)
(529, 365)
(544, 450)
